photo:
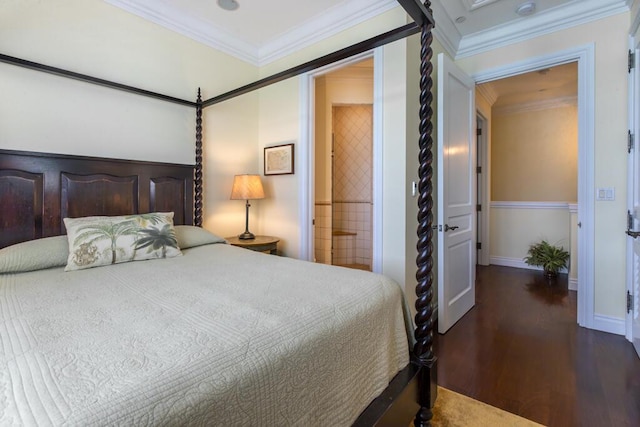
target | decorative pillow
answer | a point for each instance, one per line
(33, 255)
(102, 240)
(190, 236)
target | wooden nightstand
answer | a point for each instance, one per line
(259, 244)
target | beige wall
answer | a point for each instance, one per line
(514, 228)
(610, 38)
(534, 155)
(280, 121)
(40, 112)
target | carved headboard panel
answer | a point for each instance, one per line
(37, 190)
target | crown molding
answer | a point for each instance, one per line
(487, 92)
(445, 31)
(539, 24)
(331, 22)
(634, 5)
(545, 104)
(194, 28)
(475, 4)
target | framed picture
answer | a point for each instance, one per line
(278, 160)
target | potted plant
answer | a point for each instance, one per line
(551, 258)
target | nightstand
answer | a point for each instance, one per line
(259, 244)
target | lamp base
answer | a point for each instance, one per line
(247, 235)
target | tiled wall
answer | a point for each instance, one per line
(352, 160)
(323, 232)
(352, 184)
(352, 217)
(343, 226)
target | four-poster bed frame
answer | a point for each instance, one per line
(180, 188)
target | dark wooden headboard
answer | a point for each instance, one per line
(37, 190)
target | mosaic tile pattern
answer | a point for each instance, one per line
(352, 160)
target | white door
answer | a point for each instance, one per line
(634, 206)
(456, 193)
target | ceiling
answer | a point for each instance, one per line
(550, 86)
(261, 31)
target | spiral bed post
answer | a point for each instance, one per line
(197, 219)
(423, 352)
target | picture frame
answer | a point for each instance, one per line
(278, 160)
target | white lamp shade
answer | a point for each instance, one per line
(247, 187)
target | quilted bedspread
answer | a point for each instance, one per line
(220, 336)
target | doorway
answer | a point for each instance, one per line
(533, 176)
(343, 165)
(584, 57)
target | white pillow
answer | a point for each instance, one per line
(35, 254)
(190, 236)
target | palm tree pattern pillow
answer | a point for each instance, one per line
(103, 240)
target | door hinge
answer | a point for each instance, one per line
(478, 245)
(631, 62)
(634, 234)
(478, 208)
(478, 169)
(630, 138)
(629, 302)
(478, 131)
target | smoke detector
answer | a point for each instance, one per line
(228, 4)
(526, 9)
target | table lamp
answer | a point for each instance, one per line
(247, 187)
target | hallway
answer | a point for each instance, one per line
(521, 350)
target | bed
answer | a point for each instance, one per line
(215, 335)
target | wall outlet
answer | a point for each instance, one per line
(607, 194)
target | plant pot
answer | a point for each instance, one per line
(550, 274)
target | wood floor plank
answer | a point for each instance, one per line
(520, 349)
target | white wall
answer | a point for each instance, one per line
(40, 112)
(610, 38)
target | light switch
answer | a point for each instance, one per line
(606, 194)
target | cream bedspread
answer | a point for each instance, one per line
(220, 336)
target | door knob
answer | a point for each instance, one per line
(447, 228)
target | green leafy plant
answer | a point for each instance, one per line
(551, 258)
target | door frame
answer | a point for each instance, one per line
(585, 58)
(484, 185)
(633, 174)
(306, 190)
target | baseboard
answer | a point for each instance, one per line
(517, 263)
(613, 325)
(573, 284)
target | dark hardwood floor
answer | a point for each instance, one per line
(520, 349)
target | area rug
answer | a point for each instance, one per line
(455, 410)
